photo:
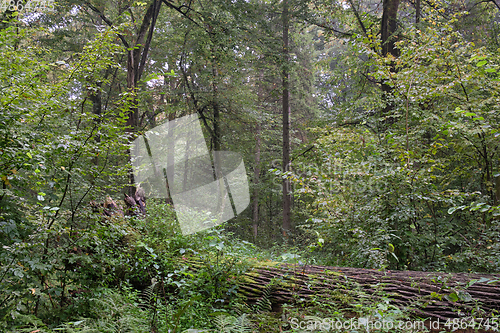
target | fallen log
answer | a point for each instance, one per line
(432, 295)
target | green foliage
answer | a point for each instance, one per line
(231, 324)
(401, 196)
(417, 187)
(52, 163)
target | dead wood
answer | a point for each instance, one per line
(430, 295)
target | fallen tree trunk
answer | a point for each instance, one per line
(429, 295)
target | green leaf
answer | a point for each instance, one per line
(391, 248)
(471, 282)
(481, 63)
(483, 280)
(436, 295)
(453, 297)
(171, 73)
(464, 296)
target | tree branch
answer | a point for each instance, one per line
(324, 26)
(303, 153)
(108, 22)
(361, 24)
(156, 10)
(179, 9)
(492, 1)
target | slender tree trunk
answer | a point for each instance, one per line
(96, 98)
(497, 190)
(215, 105)
(133, 116)
(417, 11)
(388, 28)
(256, 180)
(287, 199)
(170, 156)
(216, 138)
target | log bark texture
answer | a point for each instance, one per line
(430, 295)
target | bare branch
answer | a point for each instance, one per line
(108, 22)
(356, 13)
(179, 9)
(324, 26)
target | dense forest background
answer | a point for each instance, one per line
(369, 131)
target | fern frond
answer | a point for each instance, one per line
(231, 324)
(264, 304)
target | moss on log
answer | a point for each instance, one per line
(431, 295)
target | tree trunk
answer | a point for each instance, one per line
(137, 54)
(417, 11)
(222, 185)
(497, 190)
(96, 99)
(287, 199)
(429, 294)
(256, 176)
(136, 61)
(388, 28)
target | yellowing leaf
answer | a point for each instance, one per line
(5, 180)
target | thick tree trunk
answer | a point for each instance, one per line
(389, 26)
(287, 198)
(429, 294)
